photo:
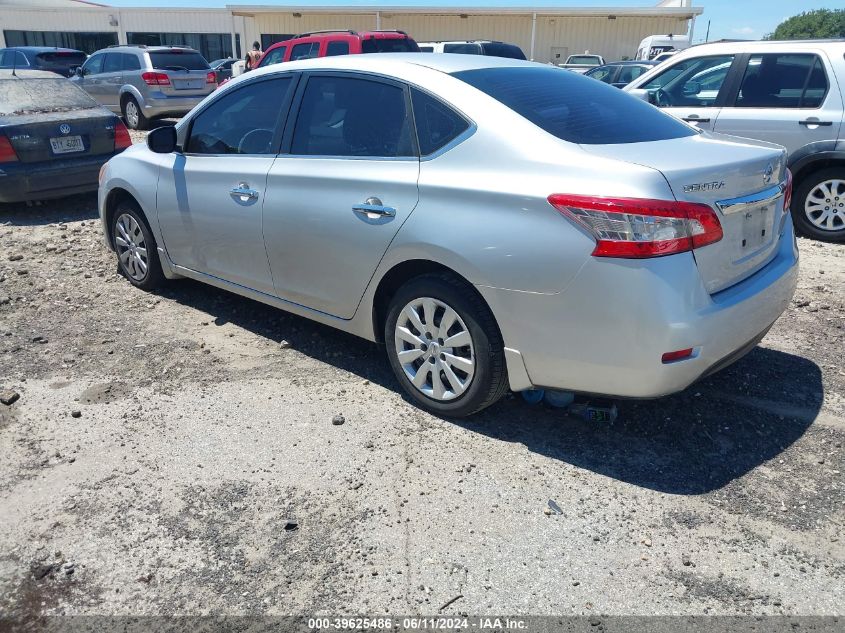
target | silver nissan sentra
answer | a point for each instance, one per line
(496, 223)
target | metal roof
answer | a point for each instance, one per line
(679, 12)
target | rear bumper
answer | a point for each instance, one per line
(606, 333)
(160, 105)
(40, 181)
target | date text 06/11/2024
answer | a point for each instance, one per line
(417, 623)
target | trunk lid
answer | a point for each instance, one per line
(739, 178)
(187, 70)
(60, 135)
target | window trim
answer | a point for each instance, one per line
(283, 116)
(460, 138)
(733, 95)
(290, 125)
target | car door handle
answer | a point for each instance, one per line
(373, 206)
(815, 122)
(695, 119)
(243, 192)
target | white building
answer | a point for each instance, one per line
(545, 34)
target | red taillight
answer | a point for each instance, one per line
(122, 140)
(787, 192)
(638, 228)
(681, 354)
(155, 79)
(7, 152)
(211, 78)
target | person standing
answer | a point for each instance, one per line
(253, 56)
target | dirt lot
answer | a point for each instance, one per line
(168, 455)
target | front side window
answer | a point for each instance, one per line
(276, 56)
(437, 124)
(243, 121)
(346, 116)
(307, 50)
(775, 80)
(573, 107)
(337, 47)
(94, 65)
(692, 82)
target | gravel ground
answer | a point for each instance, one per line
(168, 455)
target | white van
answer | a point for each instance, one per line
(655, 45)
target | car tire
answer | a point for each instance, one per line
(135, 246)
(818, 205)
(451, 380)
(132, 114)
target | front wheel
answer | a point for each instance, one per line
(135, 246)
(444, 346)
(818, 206)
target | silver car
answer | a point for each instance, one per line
(147, 82)
(495, 223)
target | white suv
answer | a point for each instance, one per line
(790, 93)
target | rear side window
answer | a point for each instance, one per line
(462, 49)
(337, 117)
(178, 60)
(337, 47)
(242, 121)
(131, 62)
(498, 49)
(391, 45)
(437, 124)
(307, 50)
(277, 55)
(783, 81)
(575, 108)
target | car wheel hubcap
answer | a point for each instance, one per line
(434, 349)
(132, 113)
(131, 248)
(825, 205)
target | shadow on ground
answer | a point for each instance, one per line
(82, 206)
(693, 442)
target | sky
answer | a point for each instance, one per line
(729, 19)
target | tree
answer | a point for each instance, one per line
(818, 24)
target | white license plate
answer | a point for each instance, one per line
(757, 227)
(67, 144)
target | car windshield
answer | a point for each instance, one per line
(178, 60)
(25, 96)
(390, 45)
(575, 108)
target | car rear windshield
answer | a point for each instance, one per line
(498, 49)
(391, 45)
(24, 96)
(178, 60)
(573, 107)
(583, 59)
(61, 59)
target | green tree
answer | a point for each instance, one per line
(818, 24)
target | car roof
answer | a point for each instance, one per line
(631, 62)
(19, 73)
(838, 44)
(41, 49)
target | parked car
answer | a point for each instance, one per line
(489, 239)
(147, 82)
(222, 68)
(582, 63)
(474, 47)
(53, 137)
(62, 61)
(331, 43)
(790, 93)
(654, 46)
(620, 74)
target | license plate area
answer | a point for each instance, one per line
(188, 84)
(67, 144)
(757, 228)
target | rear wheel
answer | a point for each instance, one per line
(818, 206)
(132, 115)
(135, 246)
(444, 346)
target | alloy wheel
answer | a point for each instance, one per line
(132, 113)
(825, 205)
(434, 348)
(131, 247)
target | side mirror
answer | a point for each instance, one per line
(79, 72)
(646, 95)
(162, 140)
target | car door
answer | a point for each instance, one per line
(210, 195)
(111, 79)
(337, 197)
(91, 75)
(787, 98)
(692, 89)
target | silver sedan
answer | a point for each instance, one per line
(495, 223)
